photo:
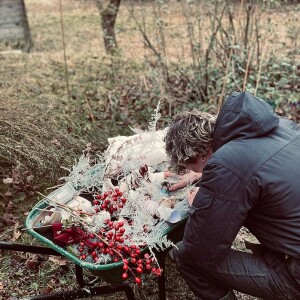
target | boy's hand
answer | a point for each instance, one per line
(186, 179)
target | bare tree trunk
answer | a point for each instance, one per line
(108, 20)
(29, 42)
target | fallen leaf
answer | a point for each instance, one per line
(8, 180)
(47, 290)
(16, 232)
(29, 178)
(32, 262)
(9, 206)
(60, 261)
(1, 286)
(9, 219)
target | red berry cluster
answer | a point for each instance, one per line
(137, 266)
(113, 241)
(110, 201)
(109, 240)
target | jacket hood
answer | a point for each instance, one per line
(243, 116)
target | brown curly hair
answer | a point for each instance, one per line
(189, 135)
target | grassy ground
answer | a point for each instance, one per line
(45, 128)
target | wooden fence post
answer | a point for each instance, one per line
(14, 25)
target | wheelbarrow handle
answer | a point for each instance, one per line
(27, 248)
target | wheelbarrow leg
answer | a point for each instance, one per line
(79, 276)
(162, 279)
(103, 289)
(129, 292)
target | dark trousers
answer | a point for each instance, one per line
(263, 274)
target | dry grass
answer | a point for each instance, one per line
(41, 129)
(35, 138)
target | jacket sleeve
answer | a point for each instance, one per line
(217, 214)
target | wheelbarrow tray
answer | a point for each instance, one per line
(111, 272)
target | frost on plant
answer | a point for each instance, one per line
(85, 175)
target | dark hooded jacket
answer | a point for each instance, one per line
(252, 179)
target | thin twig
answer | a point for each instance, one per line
(247, 69)
(260, 67)
(43, 226)
(233, 76)
(64, 49)
(221, 98)
(90, 109)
